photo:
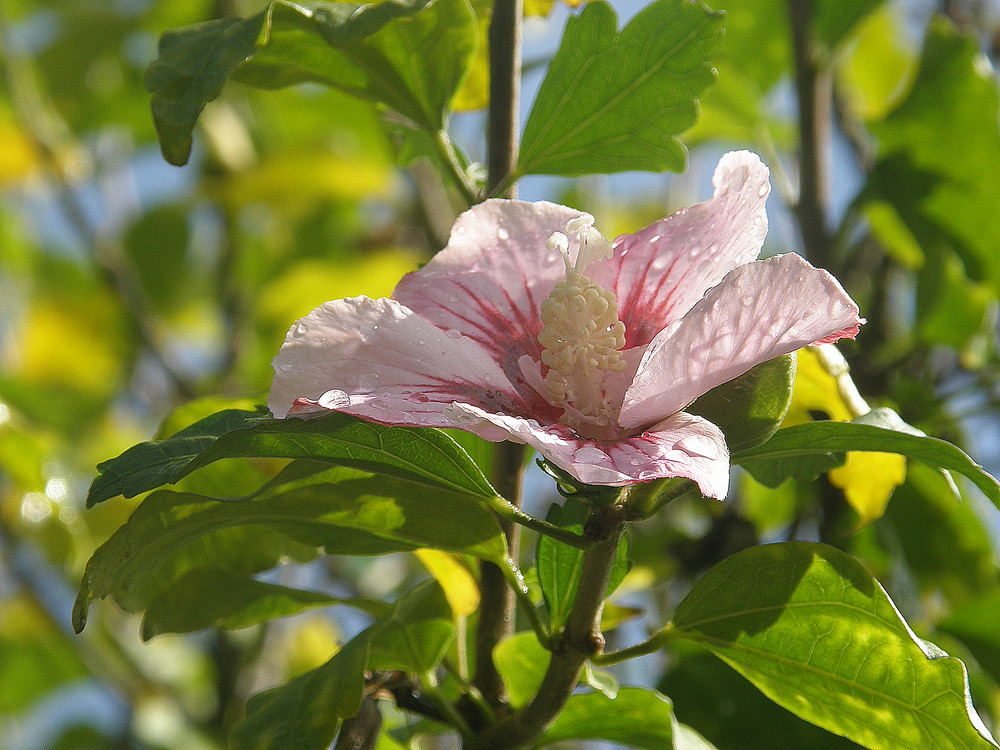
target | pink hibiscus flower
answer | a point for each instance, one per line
(530, 326)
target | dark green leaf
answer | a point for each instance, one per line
(410, 55)
(221, 598)
(637, 717)
(612, 101)
(306, 712)
(749, 409)
(417, 454)
(148, 465)
(810, 627)
(559, 564)
(880, 431)
(342, 510)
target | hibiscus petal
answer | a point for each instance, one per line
(378, 359)
(491, 278)
(681, 446)
(760, 311)
(661, 271)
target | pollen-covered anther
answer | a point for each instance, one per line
(581, 335)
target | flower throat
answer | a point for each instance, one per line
(581, 336)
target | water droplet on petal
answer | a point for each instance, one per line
(368, 333)
(739, 177)
(746, 300)
(764, 190)
(422, 398)
(379, 403)
(713, 249)
(453, 333)
(460, 229)
(368, 381)
(503, 234)
(698, 446)
(589, 454)
(654, 238)
(334, 399)
(285, 368)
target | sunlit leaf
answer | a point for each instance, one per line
(454, 577)
(875, 65)
(723, 706)
(810, 627)
(636, 717)
(521, 661)
(879, 431)
(614, 101)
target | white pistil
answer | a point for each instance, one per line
(581, 335)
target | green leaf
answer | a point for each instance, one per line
(612, 101)
(939, 152)
(750, 408)
(221, 598)
(521, 661)
(944, 543)
(417, 454)
(148, 465)
(810, 627)
(306, 712)
(416, 634)
(559, 564)
(881, 431)
(342, 510)
(637, 717)
(732, 713)
(410, 55)
(835, 18)
(975, 625)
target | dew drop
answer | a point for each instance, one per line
(764, 190)
(368, 381)
(589, 454)
(696, 445)
(713, 249)
(739, 177)
(746, 300)
(334, 399)
(421, 342)
(654, 238)
(422, 398)
(379, 403)
(460, 229)
(368, 333)
(453, 333)
(503, 234)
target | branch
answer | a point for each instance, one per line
(581, 640)
(496, 610)
(814, 88)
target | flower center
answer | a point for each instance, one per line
(581, 335)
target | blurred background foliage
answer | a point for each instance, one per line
(129, 287)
